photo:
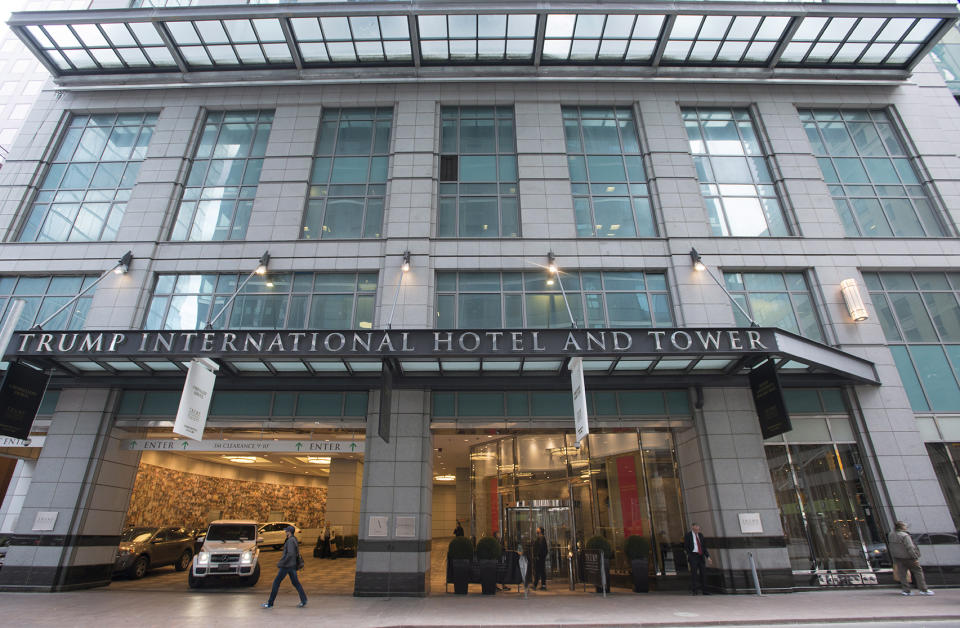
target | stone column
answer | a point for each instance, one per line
(724, 472)
(394, 560)
(343, 494)
(84, 477)
(16, 493)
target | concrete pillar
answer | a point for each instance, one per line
(85, 478)
(724, 471)
(343, 494)
(396, 509)
(16, 493)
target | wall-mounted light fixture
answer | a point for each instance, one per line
(122, 267)
(261, 269)
(554, 271)
(405, 267)
(700, 267)
(851, 297)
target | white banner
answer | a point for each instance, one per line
(579, 399)
(195, 400)
(309, 447)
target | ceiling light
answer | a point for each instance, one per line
(445, 478)
(318, 459)
(242, 459)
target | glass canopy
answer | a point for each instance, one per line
(753, 36)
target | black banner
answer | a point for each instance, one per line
(593, 567)
(768, 398)
(20, 395)
(386, 395)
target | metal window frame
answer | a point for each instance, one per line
(654, 66)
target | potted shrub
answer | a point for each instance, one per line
(488, 553)
(637, 549)
(459, 555)
(600, 543)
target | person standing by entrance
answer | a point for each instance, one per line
(288, 565)
(458, 531)
(540, 560)
(906, 557)
(697, 557)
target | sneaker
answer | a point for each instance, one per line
(904, 593)
(927, 592)
(267, 605)
(301, 604)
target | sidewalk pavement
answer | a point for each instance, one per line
(106, 607)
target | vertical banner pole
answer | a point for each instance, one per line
(579, 399)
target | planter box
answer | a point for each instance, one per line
(460, 572)
(641, 575)
(488, 576)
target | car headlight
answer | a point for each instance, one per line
(123, 552)
(246, 558)
(203, 558)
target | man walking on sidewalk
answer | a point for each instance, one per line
(906, 558)
(288, 565)
(697, 558)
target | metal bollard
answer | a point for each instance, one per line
(753, 571)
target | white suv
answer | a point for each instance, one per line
(229, 549)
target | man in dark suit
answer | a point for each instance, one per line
(697, 557)
(540, 560)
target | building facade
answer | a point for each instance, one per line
(414, 171)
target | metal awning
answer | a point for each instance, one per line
(432, 358)
(652, 38)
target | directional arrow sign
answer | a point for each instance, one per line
(325, 447)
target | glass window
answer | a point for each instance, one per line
(533, 299)
(920, 317)
(85, 190)
(946, 463)
(349, 175)
(478, 194)
(871, 177)
(45, 295)
(734, 176)
(775, 300)
(271, 301)
(609, 184)
(218, 196)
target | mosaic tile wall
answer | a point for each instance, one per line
(168, 497)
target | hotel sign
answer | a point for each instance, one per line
(184, 345)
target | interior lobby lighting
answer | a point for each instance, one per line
(406, 262)
(318, 459)
(242, 459)
(853, 300)
(445, 478)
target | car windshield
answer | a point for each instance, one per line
(236, 532)
(137, 535)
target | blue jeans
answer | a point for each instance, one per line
(283, 571)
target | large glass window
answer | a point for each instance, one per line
(534, 300)
(775, 300)
(874, 185)
(85, 191)
(946, 463)
(478, 174)
(609, 184)
(271, 301)
(349, 176)
(734, 177)
(44, 296)
(218, 197)
(920, 317)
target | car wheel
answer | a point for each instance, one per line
(139, 568)
(194, 582)
(249, 581)
(184, 561)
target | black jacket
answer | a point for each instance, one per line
(688, 543)
(540, 547)
(290, 551)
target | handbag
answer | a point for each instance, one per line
(300, 563)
